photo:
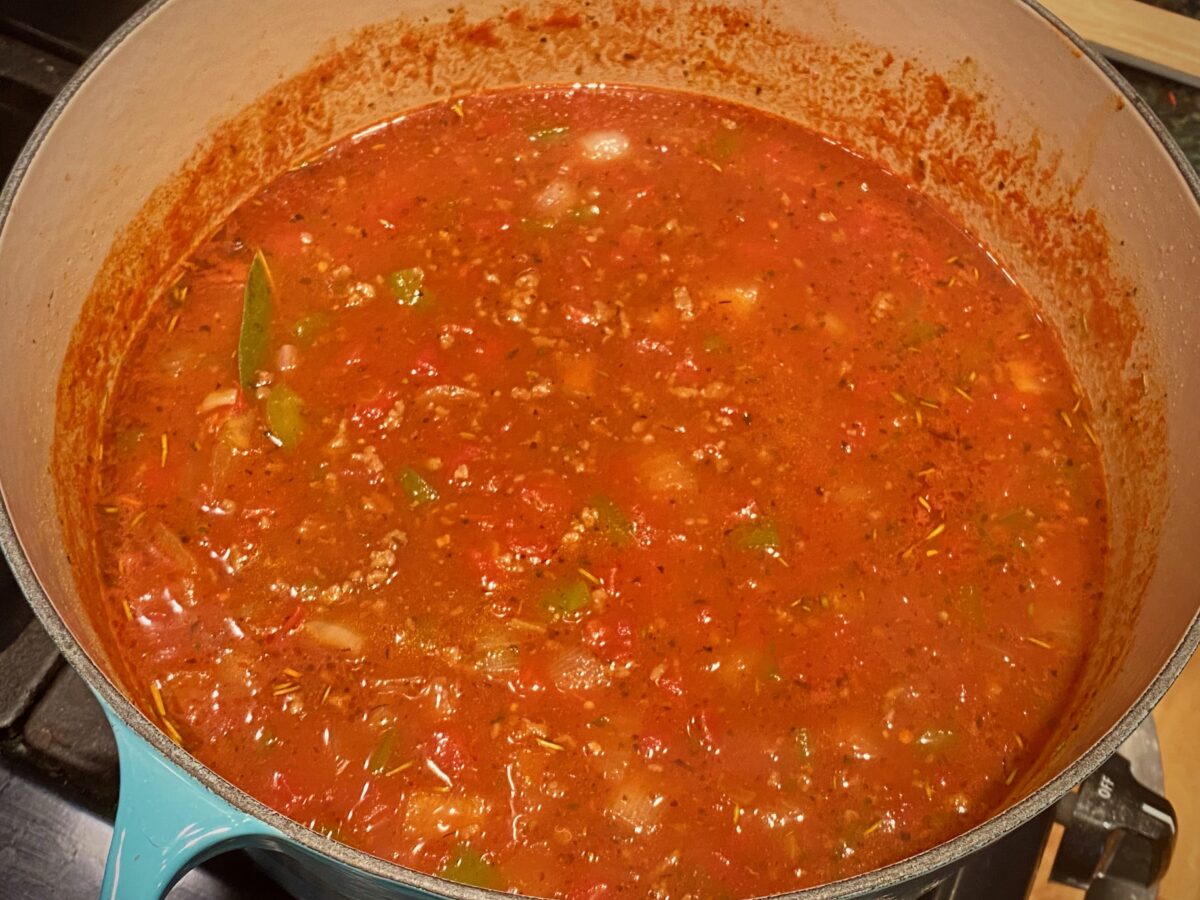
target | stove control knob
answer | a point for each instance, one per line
(1118, 835)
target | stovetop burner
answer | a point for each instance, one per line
(58, 758)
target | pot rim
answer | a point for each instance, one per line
(922, 865)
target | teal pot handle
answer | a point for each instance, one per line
(166, 823)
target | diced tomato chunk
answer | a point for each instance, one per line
(610, 636)
(447, 748)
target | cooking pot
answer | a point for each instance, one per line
(989, 106)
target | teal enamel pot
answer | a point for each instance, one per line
(991, 106)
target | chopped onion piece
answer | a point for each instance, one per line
(577, 670)
(334, 634)
(170, 545)
(1025, 376)
(832, 324)
(236, 431)
(683, 303)
(218, 400)
(556, 198)
(499, 661)
(498, 651)
(287, 357)
(429, 814)
(448, 392)
(667, 473)
(739, 298)
(635, 805)
(604, 146)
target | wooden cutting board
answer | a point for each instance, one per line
(1139, 34)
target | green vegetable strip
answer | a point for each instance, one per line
(759, 535)
(418, 489)
(307, 329)
(466, 866)
(549, 134)
(256, 320)
(715, 343)
(568, 597)
(285, 415)
(613, 520)
(408, 286)
(382, 753)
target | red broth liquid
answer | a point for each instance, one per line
(625, 493)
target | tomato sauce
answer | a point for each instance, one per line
(602, 492)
